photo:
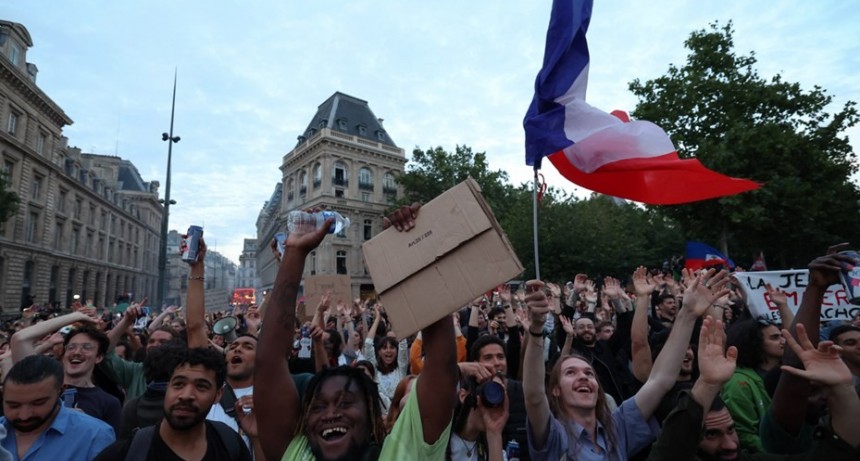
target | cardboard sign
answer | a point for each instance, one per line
(793, 282)
(456, 252)
(316, 286)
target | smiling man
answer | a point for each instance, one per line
(37, 425)
(85, 347)
(184, 433)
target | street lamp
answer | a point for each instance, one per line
(162, 255)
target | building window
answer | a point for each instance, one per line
(52, 287)
(58, 234)
(313, 262)
(12, 124)
(15, 54)
(6, 173)
(40, 143)
(338, 193)
(32, 227)
(36, 188)
(380, 135)
(365, 179)
(26, 299)
(73, 243)
(303, 184)
(70, 287)
(290, 190)
(362, 130)
(61, 202)
(341, 124)
(388, 183)
(339, 175)
(368, 229)
(317, 175)
(365, 196)
(78, 206)
(92, 215)
(341, 262)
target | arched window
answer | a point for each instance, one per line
(290, 189)
(303, 184)
(341, 262)
(365, 178)
(317, 175)
(339, 174)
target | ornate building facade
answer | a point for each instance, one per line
(344, 161)
(86, 224)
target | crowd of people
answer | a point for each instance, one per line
(654, 368)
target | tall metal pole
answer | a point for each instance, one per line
(162, 255)
(535, 224)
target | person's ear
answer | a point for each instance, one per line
(463, 393)
(556, 392)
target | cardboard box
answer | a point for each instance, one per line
(316, 286)
(456, 252)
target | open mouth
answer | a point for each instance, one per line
(332, 434)
(584, 390)
(75, 361)
(236, 359)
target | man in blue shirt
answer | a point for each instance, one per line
(38, 426)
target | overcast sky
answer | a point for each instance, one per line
(441, 73)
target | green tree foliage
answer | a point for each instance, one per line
(8, 201)
(599, 236)
(718, 109)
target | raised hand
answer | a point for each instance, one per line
(642, 282)
(305, 242)
(567, 325)
(523, 319)
(403, 218)
(822, 365)
(705, 289)
(716, 365)
(579, 282)
(505, 294)
(554, 289)
(494, 418)
(776, 295)
(325, 302)
(824, 270)
(537, 304)
(245, 414)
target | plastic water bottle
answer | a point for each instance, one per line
(513, 451)
(301, 222)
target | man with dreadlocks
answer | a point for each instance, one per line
(340, 417)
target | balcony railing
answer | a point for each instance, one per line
(365, 185)
(340, 181)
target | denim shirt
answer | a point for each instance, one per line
(632, 433)
(72, 436)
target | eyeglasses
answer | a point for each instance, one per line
(84, 347)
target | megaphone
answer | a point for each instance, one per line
(226, 327)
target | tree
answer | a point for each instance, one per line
(434, 171)
(8, 201)
(718, 109)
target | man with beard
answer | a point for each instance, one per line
(340, 416)
(184, 433)
(684, 437)
(37, 424)
(612, 375)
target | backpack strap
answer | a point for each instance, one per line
(229, 438)
(141, 440)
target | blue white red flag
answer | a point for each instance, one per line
(607, 153)
(701, 256)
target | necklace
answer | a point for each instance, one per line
(466, 446)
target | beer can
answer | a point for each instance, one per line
(192, 244)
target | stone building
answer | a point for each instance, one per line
(87, 224)
(344, 161)
(246, 274)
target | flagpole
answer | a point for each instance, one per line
(535, 224)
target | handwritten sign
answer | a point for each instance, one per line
(316, 286)
(793, 283)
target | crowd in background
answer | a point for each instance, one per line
(659, 366)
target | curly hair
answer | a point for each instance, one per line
(208, 358)
(368, 390)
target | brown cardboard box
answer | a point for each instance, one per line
(316, 285)
(456, 252)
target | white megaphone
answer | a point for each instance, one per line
(226, 327)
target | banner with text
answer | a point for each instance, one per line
(793, 282)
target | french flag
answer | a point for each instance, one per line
(606, 153)
(700, 256)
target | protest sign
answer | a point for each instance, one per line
(316, 286)
(835, 305)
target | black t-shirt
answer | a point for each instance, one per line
(159, 451)
(98, 404)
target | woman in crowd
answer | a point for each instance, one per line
(476, 431)
(390, 359)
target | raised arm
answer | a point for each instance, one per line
(823, 272)
(278, 418)
(534, 369)
(195, 306)
(823, 365)
(702, 292)
(23, 342)
(640, 347)
(159, 320)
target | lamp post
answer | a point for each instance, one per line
(162, 255)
